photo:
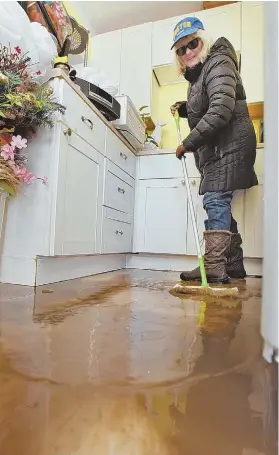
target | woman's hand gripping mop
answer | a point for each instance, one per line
(204, 288)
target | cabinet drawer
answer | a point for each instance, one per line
(119, 194)
(119, 154)
(117, 233)
(83, 120)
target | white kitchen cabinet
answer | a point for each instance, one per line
(200, 217)
(253, 237)
(119, 189)
(252, 50)
(238, 208)
(161, 217)
(162, 36)
(77, 197)
(136, 68)
(224, 21)
(106, 55)
(116, 232)
(253, 214)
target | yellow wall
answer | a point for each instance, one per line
(162, 98)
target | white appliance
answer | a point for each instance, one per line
(269, 322)
(130, 124)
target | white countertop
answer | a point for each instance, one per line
(171, 151)
(57, 72)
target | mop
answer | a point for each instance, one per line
(204, 288)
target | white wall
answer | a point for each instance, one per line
(269, 326)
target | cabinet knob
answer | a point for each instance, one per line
(183, 182)
(119, 232)
(87, 121)
(193, 182)
(121, 190)
(67, 132)
(123, 156)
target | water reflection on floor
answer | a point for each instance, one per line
(133, 370)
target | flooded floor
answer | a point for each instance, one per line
(116, 365)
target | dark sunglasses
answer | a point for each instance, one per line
(191, 45)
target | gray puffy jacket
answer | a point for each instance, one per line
(222, 135)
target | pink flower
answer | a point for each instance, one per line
(7, 152)
(38, 73)
(24, 175)
(18, 50)
(19, 142)
(20, 172)
(29, 178)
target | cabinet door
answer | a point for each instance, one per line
(106, 55)
(223, 21)
(77, 198)
(136, 69)
(252, 54)
(162, 35)
(200, 217)
(253, 238)
(238, 211)
(161, 217)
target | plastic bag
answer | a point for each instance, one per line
(96, 77)
(16, 30)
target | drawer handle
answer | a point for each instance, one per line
(121, 190)
(67, 132)
(123, 156)
(87, 120)
(119, 232)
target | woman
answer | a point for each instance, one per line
(222, 139)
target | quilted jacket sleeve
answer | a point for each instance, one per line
(220, 84)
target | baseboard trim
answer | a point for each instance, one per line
(46, 270)
(63, 268)
(20, 271)
(178, 263)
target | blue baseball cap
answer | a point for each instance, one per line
(186, 27)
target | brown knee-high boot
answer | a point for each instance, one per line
(235, 267)
(217, 246)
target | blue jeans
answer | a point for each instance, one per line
(218, 208)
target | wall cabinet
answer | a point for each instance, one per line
(136, 68)
(162, 33)
(106, 55)
(223, 21)
(128, 55)
(252, 50)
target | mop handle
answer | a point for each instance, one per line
(191, 206)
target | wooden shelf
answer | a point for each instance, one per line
(209, 5)
(256, 110)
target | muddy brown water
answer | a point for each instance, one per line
(117, 365)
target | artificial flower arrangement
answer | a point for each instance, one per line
(25, 105)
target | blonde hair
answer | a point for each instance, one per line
(207, 44)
